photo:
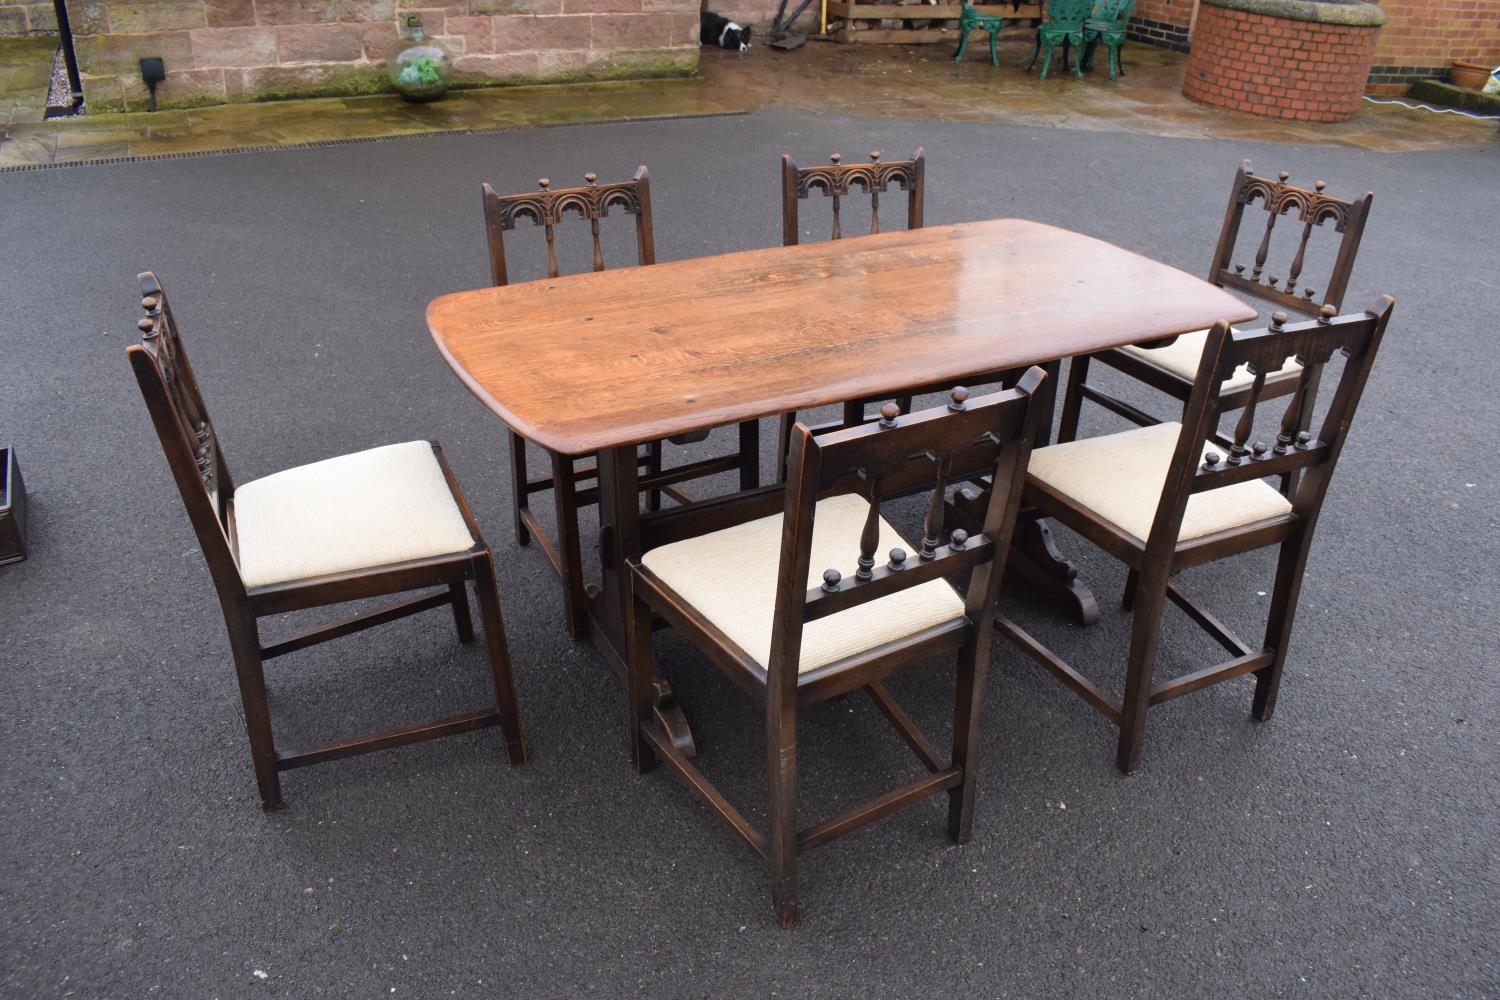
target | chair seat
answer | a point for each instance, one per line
(1119, 478)
(373, 508)
(1181, 358)
(729, 577)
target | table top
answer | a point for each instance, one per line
(611, 358)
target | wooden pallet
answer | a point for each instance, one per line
(861, 21)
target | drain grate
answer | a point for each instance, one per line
(359, 140)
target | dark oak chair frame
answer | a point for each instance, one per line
(192, 448)
(837, 181)
(896, 456)
(571, 474)
(1153, 561)
(1278, 198)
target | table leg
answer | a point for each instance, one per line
(619, 540)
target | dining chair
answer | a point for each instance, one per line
(1106, 24)
(836, 181)
(970, 19)
(571, 474)
(1155, 499)
(1063, 25)
(385, 521)
(794, 608)
(1171, 368)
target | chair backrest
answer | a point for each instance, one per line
(1115, 13)
(184, 428)
(1314, 210)
(836, 180)
(546, 208)
(1200, 463)
(895, 457)
(1066, 15)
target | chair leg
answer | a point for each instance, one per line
(640, 674)
(963, 42)
(459, 595)
(565, 493)
(784, 443)
(1035, 51)
(1290, 563)
(1072, 408)
(1150, 601)
(244, 640)
(1127, 599)
(781, 746)
(1047, 62)
(968, 702)
(994, 55)
(1077, 58)
(520, 499)
(499, 653)
(654, 452)
(749, 454)
(1114, 62)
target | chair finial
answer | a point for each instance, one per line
(898, 558)
(958, 398)
(1278, 320)
(831, 578)
(1283, 176)
(543, 183)
(591, 178)
(874, 156)
(888, 414)
(145, 324)
(958, 539)
(149, 303)
(835, 158)
(1319, 185)
(1326, 314)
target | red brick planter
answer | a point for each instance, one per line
(1283, 58)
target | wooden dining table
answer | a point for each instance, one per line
(601, 362)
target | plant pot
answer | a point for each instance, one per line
(1469, 75)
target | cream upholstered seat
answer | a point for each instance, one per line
(729, 576)
(373, 508)
(1120, 478)
(1181, 358)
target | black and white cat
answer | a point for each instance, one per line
(716, 29)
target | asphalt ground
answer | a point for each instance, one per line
(1346, 849)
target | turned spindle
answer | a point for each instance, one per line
(834, 159)
(874, 196)
(592, 180)
(552, 272)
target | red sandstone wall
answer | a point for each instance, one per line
(243, 50)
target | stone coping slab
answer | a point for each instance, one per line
(1359, 15)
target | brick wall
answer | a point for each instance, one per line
(1278, 67)
(27, 17)
(220, 51)
(1423, 36)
